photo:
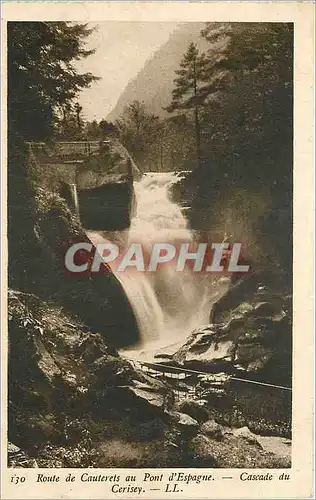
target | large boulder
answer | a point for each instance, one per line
(212, 429)
(194, 410)
(98, 298)
(106, 198)
(253, 336)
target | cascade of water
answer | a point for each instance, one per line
(175, 302)
(168, 304)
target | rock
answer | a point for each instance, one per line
(252, 357)
(206, 348)
(112, 371)
(187, 423)
(12, 449)
(212, 429)
(105, 188)
(124, 385)
(194, 410)
(153, 397)
(50, 373)
(95, 409)
(236, 294)
(163, 356)
(18, 458)
(186, 420)
(244, 308)
(233, 452)
(98, 298)
(201, 447)
(268, 310)
(255, 336)
(245, 433)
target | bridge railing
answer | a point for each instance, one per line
(199, 382)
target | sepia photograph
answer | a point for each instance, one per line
(150, 305)
(150, 175)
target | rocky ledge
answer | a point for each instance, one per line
(74, 402)
(252, 337)
(247, 350)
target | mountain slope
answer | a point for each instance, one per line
(154, 83)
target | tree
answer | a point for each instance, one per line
(189, 90)
(250, 92)
(91, 130)
(42, 84)
(70, 126)
(138, 131)
(251, 47)
(107, 128)
(247, 116)
(78, 110)
(42, 77)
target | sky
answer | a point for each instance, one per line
(122, 48)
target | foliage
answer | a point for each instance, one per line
(230, 110)
(42, 85)
(42, 77)
(70, 126)
(138, 131)
(246, 91)
(189, 92)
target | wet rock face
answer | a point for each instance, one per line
(98, 298)
(253, 337)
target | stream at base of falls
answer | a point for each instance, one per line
(168, 305)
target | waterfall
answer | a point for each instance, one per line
(168, 304)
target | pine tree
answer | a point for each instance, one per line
(139, 129)
(78, 110)
(189, 93)
(42, 76)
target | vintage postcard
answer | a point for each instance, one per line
(157, 250)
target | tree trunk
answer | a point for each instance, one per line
(196, 119)
(162, 137)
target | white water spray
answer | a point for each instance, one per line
(168, 304)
